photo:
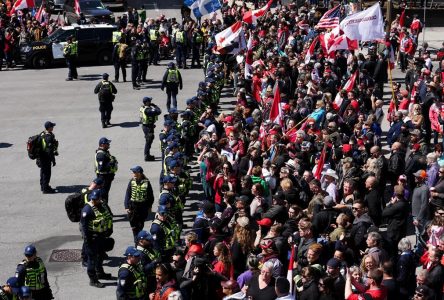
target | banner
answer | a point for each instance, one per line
(366, 25)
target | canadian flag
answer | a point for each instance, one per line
(342, 42)
(249, 58)
(251, 16)
(229, 35)
(21, 4)
(392, 58)
(77, 7)
(348, 86)
(310, 50)
(402, 19)
(321, 163)
(276, 110)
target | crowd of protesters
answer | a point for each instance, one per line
(315, 197)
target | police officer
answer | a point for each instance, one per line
(131, 281)
(106, 166)
(106, 91)
(32, 273)
(25, 293)
(119, 59)
(154, 35)
(70, 52)
(10, 290)
(136, 55)
(96, 184)
(165, 233)
(196, 44)
(149, 256)
(172, 80)
(148, 117)
(169, 193)
(97, 224)
(180, 40)
(188, 132)
(46, 158)
(139, 199)
(143, 62)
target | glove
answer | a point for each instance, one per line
(54, 163)
(38, 163)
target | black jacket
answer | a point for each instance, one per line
(374, 203)
(359, 230)
(396, 217)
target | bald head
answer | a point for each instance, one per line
(396, 146)
(370, 182)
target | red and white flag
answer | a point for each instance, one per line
(311, 50)
(348, 86)
(228, 36)
(290, 268)
(402, 18)
(249, 58)
(21, 4)
(77, 7)
(367, 25)
(39, 16)
(276, 110)
(342, 42)
(392, 58)
(320, 165)
(251, 16)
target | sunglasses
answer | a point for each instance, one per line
(356, 208)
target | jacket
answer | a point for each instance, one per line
(396, 215)
(359, 230)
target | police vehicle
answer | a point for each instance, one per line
(94, 45)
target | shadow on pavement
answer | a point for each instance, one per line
(5, 145)
(90, 77)
(65, 189)
(127, 124)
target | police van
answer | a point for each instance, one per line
(94, 45)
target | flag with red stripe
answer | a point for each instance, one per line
(402, 19)
(321, 163)
(310, 50)
(39, 16)
(331, 18)
(276, 110)
(348, 86)
(290, 268)
(77, 7)
(249, 58)
(251, 16)
(21, 4)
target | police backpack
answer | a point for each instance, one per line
(33, 146)
(74, 204)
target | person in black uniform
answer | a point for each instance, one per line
(106, 166)
(165, 233)
(149, 257)
(32, 273)
(139, 199)
(106, 92)
(136, 54)
(143, 62)
(131, 281)
(97, 224)
(172, 80)
(70, 51)
(10, 290)
(148, 117)
(46, 159)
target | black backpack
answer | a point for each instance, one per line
(33, 146)
(74, 204)
(106, 90)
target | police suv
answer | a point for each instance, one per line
(94, 45)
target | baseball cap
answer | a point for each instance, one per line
(173, 145)
(420, 173)
(144, 235)
(104, 140)
(132, 251)
(30, 250)
(98, 180)
(265, 222)
(95, 194)
(14, 284)
(137, 169)
(147, 99)
(215, 223)
(207, 207)
(25, 291)
(173, 163)
(162, 209)
(49, 124)
(105, 75)
(168, 179)
(333, 263)
(346, 148)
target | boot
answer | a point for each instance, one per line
(96, 283)
(103, 124)
(108, 123)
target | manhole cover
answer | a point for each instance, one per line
(66, 255)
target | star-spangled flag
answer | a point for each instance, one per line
(204, 7)
(21, 4)
(331, 18)
(251, 16)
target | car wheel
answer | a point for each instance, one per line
(104, 57)
(40, 62)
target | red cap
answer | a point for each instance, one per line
(346, 148)
(266, 222)
(228, 119)
(416, 147)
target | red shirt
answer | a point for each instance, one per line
(380, 294)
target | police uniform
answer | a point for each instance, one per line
(106, 166)
(149, 258)
(143, 62)
(154, 44)
(139, 199)
(165, 234)
(46, 159)
(106, 91)
(70, 51)
(188, 132)
(136, 55)
(97, 224)
(172, 80)
(32, 273)
(197, 40)
(131, 281)
(14, 288)
(148, 116)
(180, 40)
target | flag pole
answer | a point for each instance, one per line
(391, 83)
(296, 125)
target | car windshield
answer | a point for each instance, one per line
(85, 5)
(59, 35)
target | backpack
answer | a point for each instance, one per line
(74, 204)
(33, 146)
(105, 90)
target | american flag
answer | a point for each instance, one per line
(331, 18)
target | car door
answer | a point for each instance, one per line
(59, 43)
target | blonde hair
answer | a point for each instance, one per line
(245, 237)
(286, 184)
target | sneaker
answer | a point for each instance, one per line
(97, 284)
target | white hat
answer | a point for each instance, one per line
(331, 173)
(291, 164)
